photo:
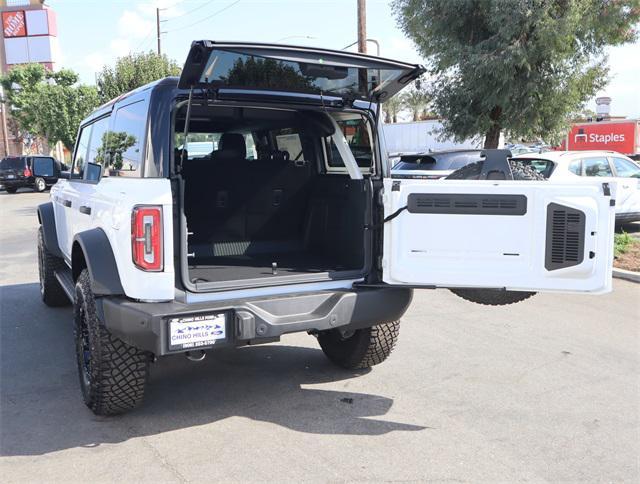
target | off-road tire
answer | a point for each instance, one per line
(39, 185)
(112, 373)
(50, 289)
(495, 297)
(11, 189)
(361, 349)
(520, 171)
(492, 297)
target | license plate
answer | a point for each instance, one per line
(197, 331)
(10, 177)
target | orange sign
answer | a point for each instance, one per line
(13, 24)
(603, 136)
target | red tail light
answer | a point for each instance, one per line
(146, 238)
(27, 172)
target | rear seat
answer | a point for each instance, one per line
(260, 204)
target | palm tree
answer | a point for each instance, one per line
(391, 109)
(416, 100)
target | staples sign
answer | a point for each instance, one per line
(13, 24)
(606, 136)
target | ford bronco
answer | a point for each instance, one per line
(252, 197)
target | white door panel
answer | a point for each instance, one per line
(493, 234)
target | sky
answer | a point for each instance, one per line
(93, 33)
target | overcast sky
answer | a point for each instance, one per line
(93, 33)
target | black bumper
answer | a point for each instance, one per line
(252, 321)
(15, 183)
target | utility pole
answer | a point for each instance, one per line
(158, 29)
(362, 26)
(5, 137)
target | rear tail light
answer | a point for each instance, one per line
(27, 172)
(146, 238)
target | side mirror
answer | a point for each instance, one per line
(65, 175)
(93, 172)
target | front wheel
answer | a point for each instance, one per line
(40, 185)
(112, 373)
(361, 348)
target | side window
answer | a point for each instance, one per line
(625, 168)
(576, 167)
(356, 131)
(98, 145)
(126, 140)
(43, 166)
(80, 156)
(597, 167)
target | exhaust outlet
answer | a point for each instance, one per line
(195, 355)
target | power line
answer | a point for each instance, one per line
(189, 12)
(205, 18)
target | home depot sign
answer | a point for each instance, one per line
(616, 136)
(13, 24)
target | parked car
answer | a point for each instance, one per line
(38, 172)
(164, 254)
(434, 165)
(607, 165)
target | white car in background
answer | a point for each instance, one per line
(606, 164)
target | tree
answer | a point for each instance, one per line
(133, 71)
(391, 109)
(416, 100)
(47, 104)
(521, 66)
(114, 144)
(266, 74)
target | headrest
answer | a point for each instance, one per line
(233, 144)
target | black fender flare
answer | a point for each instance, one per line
(47, 219)
(100, 261)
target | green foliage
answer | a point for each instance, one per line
(114, 144)
(266, 74)
(523, 66)
(622, 243)
(133, 71)
(416, 100)
(48, 104)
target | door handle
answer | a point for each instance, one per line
(84, 209)
(66, 203)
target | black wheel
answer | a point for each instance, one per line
(492, 297)
(361, 348)
(495, 297)
(112, 373)
(50, 289)
(11, 189)
(40, 185)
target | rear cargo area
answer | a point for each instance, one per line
(261, 205)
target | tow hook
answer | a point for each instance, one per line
(195, 355)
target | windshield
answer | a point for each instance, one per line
(11, 164)
(438, 161)
(302, 74)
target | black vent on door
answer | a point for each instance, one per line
(565, 237)
(467, 204)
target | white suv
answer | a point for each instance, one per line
(292, 223)
(606, 165)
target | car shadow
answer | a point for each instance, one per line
(41, 409)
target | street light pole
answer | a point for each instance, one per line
(362, 26)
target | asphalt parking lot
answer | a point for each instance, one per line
(545, 390)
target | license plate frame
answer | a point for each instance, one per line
(197, 330)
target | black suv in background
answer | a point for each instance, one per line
(37, 172)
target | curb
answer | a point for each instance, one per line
(627, 275)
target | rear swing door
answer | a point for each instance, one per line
(515, 235)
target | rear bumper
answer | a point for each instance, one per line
(252, 321)
(15, 183)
